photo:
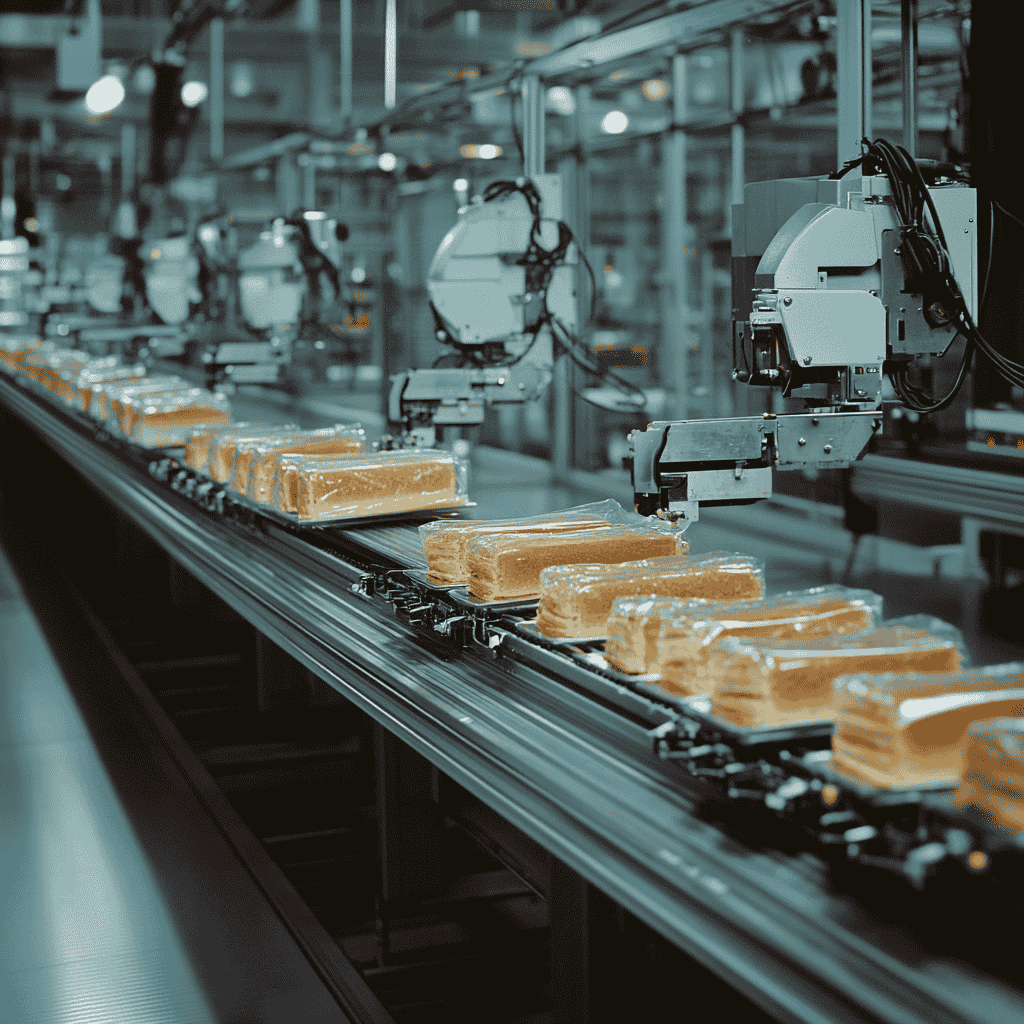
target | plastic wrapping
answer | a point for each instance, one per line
(785, 682)
(107, 403)
(992, 771)
(63, 367)
(66, 376)
(907, 729)
(319, 487)
(163, 421)
(220, 443)
(35, 362)
(507, 567)
(446, 543)
(685, 640)
(253, 470)
(14, 348)
(576, 600)
(92, 380)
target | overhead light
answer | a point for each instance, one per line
(314, 215)
(193, 93)
(104, 95)
(387, 161)
(614, 122)
(655, 89)
(478, 152)
(460, 185)
(560, 100)
(489, 152)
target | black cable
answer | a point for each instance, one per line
(515, 128)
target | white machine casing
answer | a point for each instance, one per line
(270, 284)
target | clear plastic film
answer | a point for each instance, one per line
(506, 567)
(35, 363)
(785, 682)
(684, 642)
(446, 543)
(212, 449)
(46, 371)
(899, 729)
(65, 377)
(91, 381)
(253, 469)
(109, 404)
(318, 487)
(163, 421)
(14, 348)
(992, 771)
(576, 600)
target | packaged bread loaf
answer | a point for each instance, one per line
(109, 404)
(213, 450)
(576, 600)
(446, 543)
(992, 771)
(634, 625)
(66, 376)
(508, 567)
(36, 362)
(907, 729)
(14, 348)
(784, 682)
(687, 636)
(321, 487)
(253, 470)
(92, 380)
(163, 421)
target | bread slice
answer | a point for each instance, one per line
(908, 729)
(992, 771)
(508, 567)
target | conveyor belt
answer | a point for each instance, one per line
(573, 774)
(400, 544)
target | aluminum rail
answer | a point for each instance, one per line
(998, 497)
(575, 776)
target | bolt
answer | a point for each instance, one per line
(788, 300)
(970, 220)
(807, 360)
(903, 309)
(967, 231)
(827, 449)
(802, 441)
(896, 251)
(814, 421)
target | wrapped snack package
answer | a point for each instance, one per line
(91, 382)
(319, 487)
(908, 729)
(253, 470)
(67, 376)
(63, 366)
(687, 635)
(14, 348)
(508, 567)
(576, 600)
(785, 682)
(108, 403)
(634, 625)
(36, 362)
(162, 421)
(213, 449)
(446, 543)
(992, 776)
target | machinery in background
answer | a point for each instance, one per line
(836, 281)
(501, 286)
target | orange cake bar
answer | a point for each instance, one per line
(992, 777)
(224, 444)
(634, 625)
(109, 403)
(908, 729)
(91, 382)
(687, 637)
(508, 567)
(163, 421)
(315, 487)
(776, 682)
(576, 600)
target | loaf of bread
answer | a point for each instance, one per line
(508, 567)
(908, 729)
(14, 348)
(687, 635)
(91, 381)
(45, 365)
(318, 487)
(224, 441)
(576, 600)
(634, 626)
(253, 470)
(67, 374)
(163, 421)
(109, 404)
(992, 771)
(36, 362)
(784, 682)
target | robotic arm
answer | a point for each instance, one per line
(499, 280)
(834, 280)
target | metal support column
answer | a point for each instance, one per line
(217, 89)
(533, 126)
(854, 77)
(129, 158)
(346, 61)
(308, 182)
(391, 54)
(908, 38)
(8, 207)
(287, 185)
(675, 315)
(408, 831)
(737, 101)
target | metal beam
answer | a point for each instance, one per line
(217, 89)
(533, 126)
(854, 76)
(262, 154)
(391, 54)
(908, 41)
(346, 60)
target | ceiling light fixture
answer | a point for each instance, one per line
(104, 95)
(614, 122)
